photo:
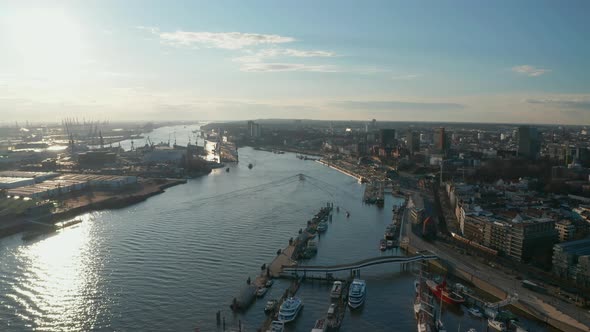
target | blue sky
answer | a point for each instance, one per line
(498, 61)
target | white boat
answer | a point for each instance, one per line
(269, 283)
(417, 286)
(472, 330)
(261, 291)
(496, 325)
(473, 311)
(336, 290)
(290, 309)
(357, 293)
(276, 326)
(417, 306)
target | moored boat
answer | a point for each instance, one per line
(389, 244)
(336, 290)
(270, 306)
(473, 311)
(441, 292)
(261, 291)
(276, 326)
(322, 226)
(320, 326)
(357, 293)
(496, 325)
(290, 309)
(382, 245)
(269, 283)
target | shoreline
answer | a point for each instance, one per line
(340, 169)
(111, 202)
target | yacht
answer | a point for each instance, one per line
(357, 293)
(496, 325)
(290, 309)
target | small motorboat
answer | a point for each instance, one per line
(336, 290)
(347, 214)
(227, 169)
(382, 245)
(250, 166)
(417, 286)
(276, 326)
(269, 283)
(473, 311)
(496, 325)
(261, 291)
(389, 244)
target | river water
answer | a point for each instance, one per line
(171, 262)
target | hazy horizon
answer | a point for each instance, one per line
(500, 62)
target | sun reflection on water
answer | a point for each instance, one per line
(61, 289)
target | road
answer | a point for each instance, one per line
(552, 307)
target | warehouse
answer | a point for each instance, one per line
(37, 176)
(10, 182)
(50, 188)
(101, 181)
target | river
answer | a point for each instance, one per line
(171, 262)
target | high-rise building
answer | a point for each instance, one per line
(253, 129)
(441, 141)
(387, 138)
(413, 141)
(528, 142)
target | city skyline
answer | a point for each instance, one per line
(504, 62)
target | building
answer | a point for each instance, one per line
(37, 176)
(413, 140)
(416, 208)
(387, 138)
(566, 230)
(528, 142)
(99, 158)
(14, 182)
(571, 260)
(253, 129)
(441, 140)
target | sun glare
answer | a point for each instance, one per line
(46, 41)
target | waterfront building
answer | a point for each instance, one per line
(14, 182)
(528, 142)
(571, 260)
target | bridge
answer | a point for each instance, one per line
(360, 264)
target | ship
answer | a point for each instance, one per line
(441, 292)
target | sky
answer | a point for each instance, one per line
(467, 61)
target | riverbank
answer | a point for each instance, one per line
(490, 281)
(91, 201)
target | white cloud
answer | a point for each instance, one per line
(224, 40)
(265, 67)
(530, 71)
(563, 103)
(261, 55)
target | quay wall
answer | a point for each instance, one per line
(340, 169)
